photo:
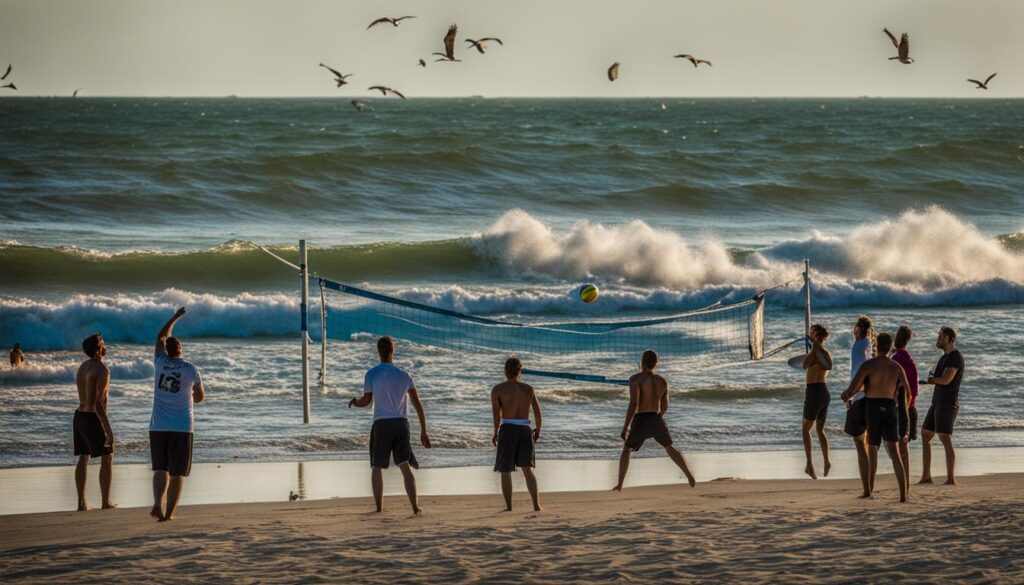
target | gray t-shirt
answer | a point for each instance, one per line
(389, 385)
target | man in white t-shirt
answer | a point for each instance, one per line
(386, 386)
(177, 386)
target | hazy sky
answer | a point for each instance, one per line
(552, 47)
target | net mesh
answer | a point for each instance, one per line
(721, 332)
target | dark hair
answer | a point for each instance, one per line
(513, 368)
(385, 346)
(903, 335)
(91, 344)
(649, 359)
(866, 330)
(172, 342)
(17, 346)
(821, 328)
(884, 343)
(949, 332)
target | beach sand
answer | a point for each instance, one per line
(792, 531)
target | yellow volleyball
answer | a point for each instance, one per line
(588, 293)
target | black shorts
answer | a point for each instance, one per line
(940, 419)
(647, 425)
(856, 419)
(816, 399)
(515, 448)
(912, 431)
(171, 451)
(883, 420)
(389, 438)
(90, 438)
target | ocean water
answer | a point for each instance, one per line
(118, 210)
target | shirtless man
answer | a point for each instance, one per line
(818, 363)
(880, 377)
(511, 402)
(91, 427)
(17, 356)
(648, 401)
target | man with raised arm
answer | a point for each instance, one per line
(386, 386)
(511, 402)
(817, 363)
(91, 427)
(948, 374)
(880, 378)
(178, 386)
(648, 401)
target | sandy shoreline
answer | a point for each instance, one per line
(789, 531)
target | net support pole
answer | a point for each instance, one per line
(303, 309)
(807, 305)
(323, 338)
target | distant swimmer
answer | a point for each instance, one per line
(902, 47)
(479, 43)
(980, 84)
(338, 77)
(511, 403)
(648, 401)
(387, 386)
(422, 63)
(613, 72)
(91, 425)
(449, 45)
(901, 356)
(881, 378)
(694, 60)
(358, 105)
(947, 376)
(389, 20)
(386, 90)
(817, 363)
(17, 356)
(856, 417)
(177, 388)
(74, 94)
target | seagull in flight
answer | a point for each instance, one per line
(422, 63)
(980, 84)
(358, 105)
(75, 93)
(449, 45)
(10, 85)
(613, 72)
(392, 21)
(694, 60)
(902, 47)
(338, 77)
(6, 73)
(479, 44)
(386, 90)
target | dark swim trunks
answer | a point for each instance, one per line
(647, 425)
(90, 438)
(816, 399)
(912, 413)
(883, 420)
(171, 451)
(515, 448)
(940, 419)
(389, 438)
(856, 419)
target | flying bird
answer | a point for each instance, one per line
(449, 45)
(479, 44)
(902, 48)
(10, 85)
(75, 93)
(613, 72)
(980, 84)
(422, 63)
(6, 73)
(292, 496)
(694, 60)
(392, 21)
(358, 105)
(338, 77)
(386, 90)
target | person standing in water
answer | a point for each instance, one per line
(511, 402)
(817, 363)
(902, 357)
(856, 417)
(17, 356)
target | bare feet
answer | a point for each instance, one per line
(109, 506)
(83, 507)
(693, 482)
(828, 467)
(535, 509)
(156, 513)
(617, 488)
(166, 519)
(867, 496)
(417, 511)
(925, 480)
(950, 481)
(809, 470)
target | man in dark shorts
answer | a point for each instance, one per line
(177, 387)
(386, 386)
(511, 402)
(91, 427)
(948, 374)
(648, 401)
(817, 363)
(881, 378)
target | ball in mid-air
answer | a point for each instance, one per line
(588, 293)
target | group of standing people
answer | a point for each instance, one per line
(881, 401)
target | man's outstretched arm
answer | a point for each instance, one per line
(165, 331)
